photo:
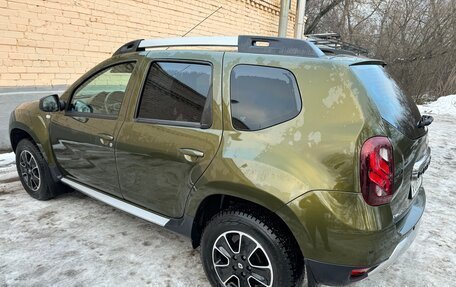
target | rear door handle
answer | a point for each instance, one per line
(191, 155)
(106, 139)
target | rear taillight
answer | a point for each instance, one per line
(377, 171)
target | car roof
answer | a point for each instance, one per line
(252, 45)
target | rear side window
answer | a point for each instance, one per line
(176, 91)
(394, 105)
(262, 97)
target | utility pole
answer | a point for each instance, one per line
(283, 21)
(301, 19)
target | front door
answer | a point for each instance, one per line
(83, 137)
(173, 130)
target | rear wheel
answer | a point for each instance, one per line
(34, 172)
(245, 248)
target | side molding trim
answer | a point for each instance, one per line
(122, 205)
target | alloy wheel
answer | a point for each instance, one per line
(30, 172)
(239, 260)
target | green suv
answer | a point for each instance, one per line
(274, 155)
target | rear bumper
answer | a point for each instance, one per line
(398, 251)
(406, 231)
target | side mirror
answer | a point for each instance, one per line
(51, 104)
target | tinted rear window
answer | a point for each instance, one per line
(394, 105)
(262, 97)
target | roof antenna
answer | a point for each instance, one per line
(135, 45)
(207, 17)
(201, 22)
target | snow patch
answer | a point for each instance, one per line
(7, 166)
(297, 136)
(7, 158)
(314, 138)
(443, 105)
(335, 96)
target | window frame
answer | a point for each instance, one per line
(207, 115)
(265, 66)
(90, 77)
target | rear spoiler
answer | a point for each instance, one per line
(369, 62)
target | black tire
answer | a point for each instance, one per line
(279, 248)
(43, 188)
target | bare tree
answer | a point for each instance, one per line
(323, 11)
(417, 38)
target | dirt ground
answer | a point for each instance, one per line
(77, 241)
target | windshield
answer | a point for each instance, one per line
(394, 105)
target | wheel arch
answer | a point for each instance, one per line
(26, 124)
(214, 203)
(19, 133)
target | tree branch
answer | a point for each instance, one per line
(311, 27)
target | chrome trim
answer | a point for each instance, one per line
(191, 152)
(122, 205)
(190, 41)
(398, 251)
(421, 165)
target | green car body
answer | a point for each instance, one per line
(305, 171)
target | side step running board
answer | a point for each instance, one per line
(120, 204)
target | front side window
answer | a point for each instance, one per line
(262, 97)
(104, 92)
(176, 91)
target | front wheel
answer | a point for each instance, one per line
(34, 172)
(246, 248)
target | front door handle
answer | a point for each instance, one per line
(191, 155)
(106, 139)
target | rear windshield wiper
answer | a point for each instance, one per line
(425, 121)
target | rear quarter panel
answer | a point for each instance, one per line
(315, 150)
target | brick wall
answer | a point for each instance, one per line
(53, 42)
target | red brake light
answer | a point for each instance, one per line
(359, 272)
(377, 171)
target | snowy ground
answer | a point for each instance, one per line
(77, 241)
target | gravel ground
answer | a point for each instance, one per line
(77, 241)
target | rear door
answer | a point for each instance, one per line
(172, 131)
(83, 136)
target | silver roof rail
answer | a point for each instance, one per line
(244, 43)
(189, 42)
